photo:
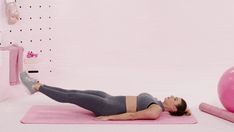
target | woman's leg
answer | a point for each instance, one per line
(95, 102)
(29, 82)
(90, 102)
(92, 92)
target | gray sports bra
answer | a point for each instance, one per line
(144, 100)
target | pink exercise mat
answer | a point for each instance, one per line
(69, 114)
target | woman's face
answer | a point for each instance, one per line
(172, 102)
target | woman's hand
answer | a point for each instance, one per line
(103, 118)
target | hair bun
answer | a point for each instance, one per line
(187, 112)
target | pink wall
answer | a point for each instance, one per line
(129, 46)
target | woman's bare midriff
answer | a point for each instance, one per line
(131, 103)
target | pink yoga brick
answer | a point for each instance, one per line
(217, 111)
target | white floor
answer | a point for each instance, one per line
(12, 110)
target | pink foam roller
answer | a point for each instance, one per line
(217, 112)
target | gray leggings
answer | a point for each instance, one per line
(100, 103)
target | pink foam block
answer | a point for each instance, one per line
(217, 111)
(70, 114)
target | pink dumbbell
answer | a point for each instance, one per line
(30, 54)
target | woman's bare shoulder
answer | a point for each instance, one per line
(155, 107)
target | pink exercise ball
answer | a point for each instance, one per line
(226, 89)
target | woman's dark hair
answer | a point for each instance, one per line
(181, 109)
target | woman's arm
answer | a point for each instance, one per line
(151, 113)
